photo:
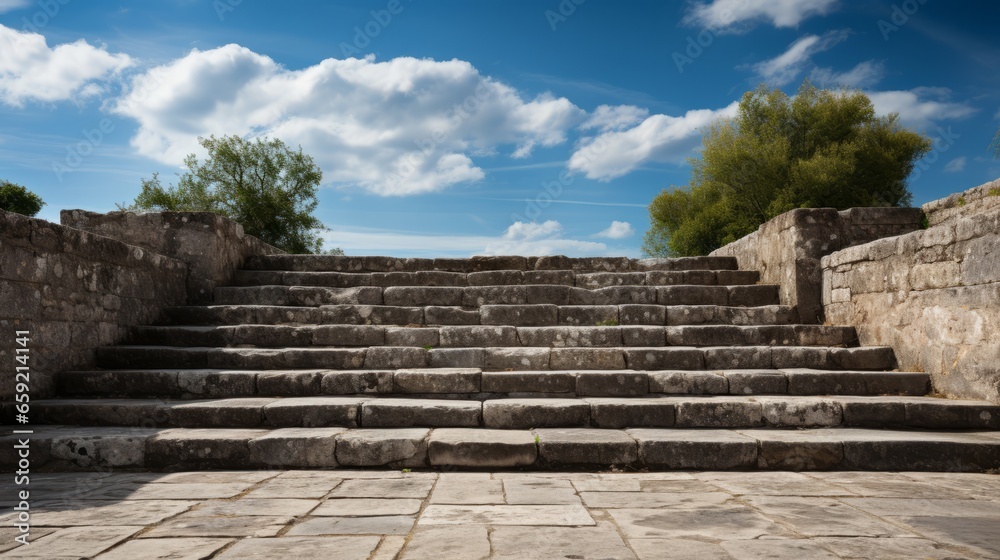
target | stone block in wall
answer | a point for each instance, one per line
(928, 276)
(213, 246)
(981, 260)
(20, 263)
(938, 235)
(19, 300)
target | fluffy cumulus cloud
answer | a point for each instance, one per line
(658, 138)
(737, 15)
(546, 238)
(920, 107)
(865, 74)
(30, 70)
(617, 230)
(399, 127)
(787, 66)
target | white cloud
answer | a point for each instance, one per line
(617, 230)
(920, 107)
(398, 127)
(785, 67)
(533, 238)
(526, 231)
(956, 165)
(728, 15)
(865, 74)
(660, 138)
(608, 117)
(521, 238)
(10, 5)
(31, 71)
(523, 151)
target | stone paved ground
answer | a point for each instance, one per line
(306, 515)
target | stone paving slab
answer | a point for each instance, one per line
(73, 542)
(179, 548)
(426, 514)
(302, 548)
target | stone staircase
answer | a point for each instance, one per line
(503, 362)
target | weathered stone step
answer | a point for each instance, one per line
(517, 315)
(589, 280)
(525, 413)
(478, 296)
(57, 448)
(331, 263)
(477, 384)
(271, 336)
(500, 358)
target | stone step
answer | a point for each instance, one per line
(56, 448)
(331, 263)
(500, 358)
(272, 336)
(478, 296)
(517, 315)
(371, 411)
(588, 280)
(477, 384)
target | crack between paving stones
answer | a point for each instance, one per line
(896, 524)
(741, 499)
(416, 520)
(299, 519)
(621, 533)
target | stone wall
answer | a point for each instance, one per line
(979, 200)
(932, 295)
(74, 291)
(787, 250)
(213, 246)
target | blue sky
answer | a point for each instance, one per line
(459, 127)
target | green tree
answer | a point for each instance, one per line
(15, 198)
(267, 187)
(819, 149)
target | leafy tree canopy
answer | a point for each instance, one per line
(15, 198)
(267, 187)
(819, 149)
